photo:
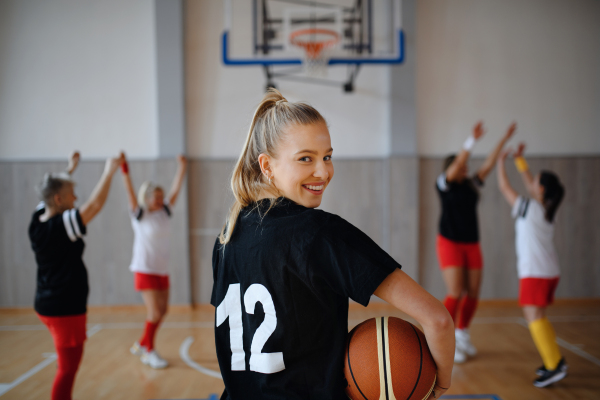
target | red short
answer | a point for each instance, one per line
(537, 291)
(67, 331)
(150, 281)
(458, 254)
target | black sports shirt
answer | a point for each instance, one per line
(62, 282)
(281, 289)
(459, 208)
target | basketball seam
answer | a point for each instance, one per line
(383, 355)
(350, 367)
(421, 362)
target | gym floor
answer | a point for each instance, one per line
(108, 371)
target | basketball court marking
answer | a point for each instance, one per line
(49, 359)
(184, 348)
(184, 354)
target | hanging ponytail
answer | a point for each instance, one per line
(553, 193)
(273, 115)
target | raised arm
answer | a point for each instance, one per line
(73, 162)
(178, 180)
(503, 184)
(98, 197)
(131, 198)
(523, 169)
(489, 162)
(402, 292)
(453, 172)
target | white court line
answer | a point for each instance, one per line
(50, 358)
(184, 354)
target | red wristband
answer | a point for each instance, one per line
(124, 168)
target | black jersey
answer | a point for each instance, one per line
(459, 208)
(62, 282)
(281, 289)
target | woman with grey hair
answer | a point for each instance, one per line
(56, 231)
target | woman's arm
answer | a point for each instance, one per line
(523, 168)
(178, 180)
(132, 199)
(503, 184)
(488, 164)
(453, 172)
(73, 162)
(98, 197)
(405, 294)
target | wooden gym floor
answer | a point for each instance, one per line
(503, 369)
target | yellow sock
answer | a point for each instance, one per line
(545, 341)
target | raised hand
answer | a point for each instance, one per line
(73, 162)
(510, 131)
(504, 154)
(478, 130)
(182, 160)
(113, 163)
(520, 150)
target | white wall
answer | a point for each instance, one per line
(77, 74)
(221, 100)
(533, 61)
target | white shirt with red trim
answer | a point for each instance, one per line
(536, 255)
(152, 232)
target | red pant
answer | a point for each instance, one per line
(458, 254)
(150, 281)
(537, 291)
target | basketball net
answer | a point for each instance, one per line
(316, 44)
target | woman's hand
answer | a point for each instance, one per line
(182, 160)
(437, 392)
(520, 150)
(113, 163)
(478, 130)
(73, 162)
(510, 131)
(504, 154)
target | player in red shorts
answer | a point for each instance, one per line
(151, 222)
(458, 239)
(56, 232)
(537, 261)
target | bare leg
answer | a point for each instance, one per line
(454, 278)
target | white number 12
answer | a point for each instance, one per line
(231, 307)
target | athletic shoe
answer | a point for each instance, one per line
(152, 359)
(551, 376)
(459, 356)
(137, 349)
(541, 371)
(463, 342)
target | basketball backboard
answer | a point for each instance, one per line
(284, 33)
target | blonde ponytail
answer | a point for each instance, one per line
(273, 115)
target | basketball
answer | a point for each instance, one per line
(387, 358)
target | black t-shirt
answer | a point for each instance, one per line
(281, 289)
(459, 208)
(62, 282)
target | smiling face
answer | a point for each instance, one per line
(303, 168)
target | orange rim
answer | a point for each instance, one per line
(313, 49)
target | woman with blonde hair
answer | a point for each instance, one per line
(284, 271)
(150, 219)
(56, 233)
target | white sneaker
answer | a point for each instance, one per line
(152, 359)
(137, 350)
(463, 342)
(459, 356)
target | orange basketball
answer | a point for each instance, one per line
(388, 358)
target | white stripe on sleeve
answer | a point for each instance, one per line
(68, 227)
(442, 183)
(75, 223)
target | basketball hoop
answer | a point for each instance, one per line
(315, 42)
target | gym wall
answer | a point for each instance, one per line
(386, 161)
